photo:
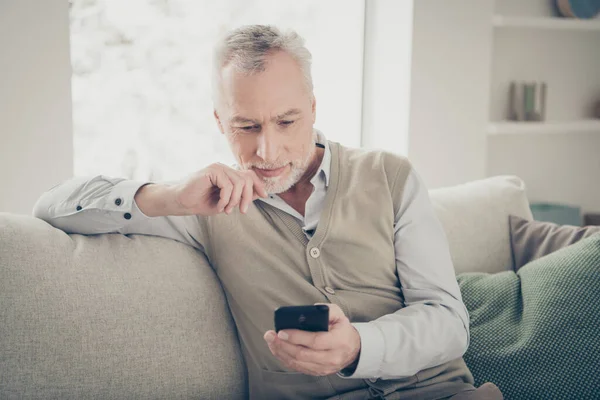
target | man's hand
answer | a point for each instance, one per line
(317, 353)
(212, 190)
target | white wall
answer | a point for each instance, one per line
(555, 168)
(36, 146)
(451, 64)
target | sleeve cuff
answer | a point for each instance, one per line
(122, 199)
(372, 349)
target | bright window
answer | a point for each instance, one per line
(142, 105)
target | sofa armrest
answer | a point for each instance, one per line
(111, 316)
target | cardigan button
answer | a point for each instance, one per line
(329, 290)
(315, 252)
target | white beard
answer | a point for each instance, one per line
(280, 184)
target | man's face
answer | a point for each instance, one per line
(268, 120)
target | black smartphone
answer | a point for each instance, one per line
(306, 318)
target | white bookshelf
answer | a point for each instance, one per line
(531, 45)
(557, 158)
(551, 23)
(547, 127)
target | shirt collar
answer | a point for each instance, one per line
(325, 168)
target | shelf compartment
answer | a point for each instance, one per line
(547, 127)
(556, 23)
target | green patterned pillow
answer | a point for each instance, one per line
(536, 333)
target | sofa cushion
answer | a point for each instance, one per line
(475, 219)
(530, 240)
(534, 332)
(111, 317)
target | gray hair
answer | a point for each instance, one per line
(248, 46)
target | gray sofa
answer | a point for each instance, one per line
(141, 317)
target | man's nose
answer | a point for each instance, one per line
(268, 146)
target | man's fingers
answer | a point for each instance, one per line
(274, 347)
(326, 358)
(300, 366)
(335, 312)
(247, 197)
(235, 188)
(302, 363)
(259, 185)
(314, 340)
(236, 194)
(222, 181)
(247, 187)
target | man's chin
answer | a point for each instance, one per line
(284, 182)
(278, 185)
(277, 188)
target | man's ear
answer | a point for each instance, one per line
(314, 109)
(218, 121)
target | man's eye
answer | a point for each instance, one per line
(249, 128)
(286, 122)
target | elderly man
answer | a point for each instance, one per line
(302, 220)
